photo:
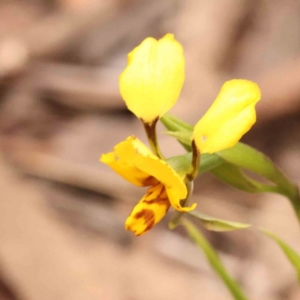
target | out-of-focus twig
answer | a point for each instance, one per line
(55, 33)
(52, 35)
(37, 253)
(66, 172)
(130, 27)
(280, 90)
(208, 35)
(78, 87)
(91, 216)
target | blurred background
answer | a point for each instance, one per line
(62, 213)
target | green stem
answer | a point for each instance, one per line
(194, 168)
(150, 129)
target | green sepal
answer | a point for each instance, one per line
(216, 224)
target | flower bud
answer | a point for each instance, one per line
(151, 83)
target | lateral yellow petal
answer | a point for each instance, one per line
(174, 185)
(128, 172)
(149, 211)
(122, 161)
(152, 81)
(229, 118)
(175, 200)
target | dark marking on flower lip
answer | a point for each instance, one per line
(159, 201)
(148, 216)
(150, 181)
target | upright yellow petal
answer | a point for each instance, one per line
(149, 211)
(129, 173)
(229, 118)
(151, 83)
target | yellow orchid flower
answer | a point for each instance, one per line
(151, 83)
(137, 164)
(231, 115)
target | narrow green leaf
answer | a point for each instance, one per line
(176, 126)
(209, 161)
(184, 137)
(215, 224)
(213, 260)
(173, 123)
(290, 254)
(251, 159)
(246, 157)
(235, 177)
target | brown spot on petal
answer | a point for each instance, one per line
(148, 216)
(150, 181)
(159, 201)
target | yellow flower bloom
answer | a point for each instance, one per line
(229, 118)
(151, 83)
(135, 162)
